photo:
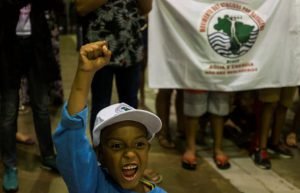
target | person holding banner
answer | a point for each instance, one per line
(275, 103)
(196, 104)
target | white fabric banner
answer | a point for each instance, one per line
(229, 46)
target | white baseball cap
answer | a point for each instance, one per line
(122, 112)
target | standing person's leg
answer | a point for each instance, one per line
(24, 102)
(162, 106)
(56, 88)
(219, 107)
(189, 158)
(24, 108)
(39, 100)
(127, 82)
(280, 114)
(286, 100)
(296, 123)
(38, 91)
(24, 96)
(269, 98)
(217, 123)
(195, 105)
(291, 137)
(144, 62)
(142, 102)
(9, 104)
(101, 90)
(265, 123)
(179, 112)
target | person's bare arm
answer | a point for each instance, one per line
(83, 7)
(144, 6)
(92, 57)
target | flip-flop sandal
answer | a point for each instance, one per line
(189, 164)
(222, 162)
(153, 176)
(291, 139)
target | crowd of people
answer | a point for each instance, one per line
(114, 47)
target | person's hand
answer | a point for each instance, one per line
(94, 56)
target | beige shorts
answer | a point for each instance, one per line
(198, 103)
(284, 95)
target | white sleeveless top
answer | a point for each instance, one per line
(24, 25)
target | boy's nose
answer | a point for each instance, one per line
(129, 154)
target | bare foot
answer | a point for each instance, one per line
(189, 160)
(25, 139)
(221, 160)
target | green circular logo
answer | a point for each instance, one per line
(232, 33)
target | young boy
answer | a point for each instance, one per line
(121, 133)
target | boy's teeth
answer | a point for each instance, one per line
(129, 167)
(129, 172)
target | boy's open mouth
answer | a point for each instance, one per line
(129, 171)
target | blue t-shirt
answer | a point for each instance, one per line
(77, 161)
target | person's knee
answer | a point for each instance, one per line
(269, 96)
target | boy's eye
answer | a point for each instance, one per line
(116, 146)
(141, 145)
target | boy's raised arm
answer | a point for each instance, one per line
(92, 57)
